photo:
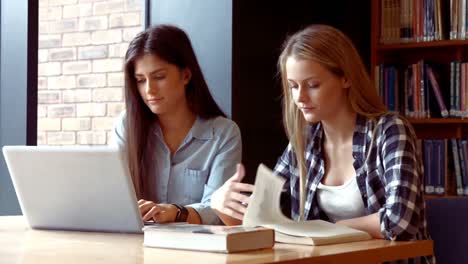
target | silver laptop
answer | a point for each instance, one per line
(74, 188)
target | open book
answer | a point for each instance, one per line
(264, 210)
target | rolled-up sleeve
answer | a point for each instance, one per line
(400, 216)
(222, 168)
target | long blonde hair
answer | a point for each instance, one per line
(335, 51)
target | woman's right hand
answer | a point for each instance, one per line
(158, 213)
(228, 201)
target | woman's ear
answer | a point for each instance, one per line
(346, 83)
(186, 75)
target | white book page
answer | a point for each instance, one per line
(264, 210)
(314, 229)
(264, 207)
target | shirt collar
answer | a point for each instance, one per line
(316, 135)
(201, 129)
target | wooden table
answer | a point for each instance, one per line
(19, 244)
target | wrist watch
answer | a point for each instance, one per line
(182, 213)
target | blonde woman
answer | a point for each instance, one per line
(349, 160)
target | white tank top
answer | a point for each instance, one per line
(341, 202)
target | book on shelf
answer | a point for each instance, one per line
(264, 210)
(412, 20)
(436, 90)
(225, 239)
(460, 153)
(420, 90)
(429, 185)
(441, 165)
(445, 166)
(464, 160)
(457, 167)
(405, 21)
(423, 20)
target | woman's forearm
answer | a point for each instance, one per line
(227, 220)
(193, 216)
(368, 223)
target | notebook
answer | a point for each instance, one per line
(74, 188)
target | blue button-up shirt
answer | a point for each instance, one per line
(206, 158)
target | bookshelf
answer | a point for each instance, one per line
(385, 51)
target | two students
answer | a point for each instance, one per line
(349, 160)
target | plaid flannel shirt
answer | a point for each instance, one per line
(390, 181)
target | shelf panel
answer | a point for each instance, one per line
(428, 44)
(439, 128)
(422, 121)
(430, 196)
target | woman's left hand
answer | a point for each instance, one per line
(159, 213)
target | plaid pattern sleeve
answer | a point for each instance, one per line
(282, 169)
(402, 215)
(282, 166)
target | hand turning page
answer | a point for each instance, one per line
(264, 210)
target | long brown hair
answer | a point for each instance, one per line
(171, 44)
(335, 51)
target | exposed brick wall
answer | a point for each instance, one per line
(82, 44)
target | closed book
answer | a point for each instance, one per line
(456, 165)
(463, 172)
(457, 88)
(429, 167)
(464, 146)
(226, 239)
(264, 210)
(441, 158)
(463, 169)
(436, 89)
(452, 88)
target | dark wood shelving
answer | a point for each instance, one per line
(438, 120)
(425, 44)
(431, 196)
